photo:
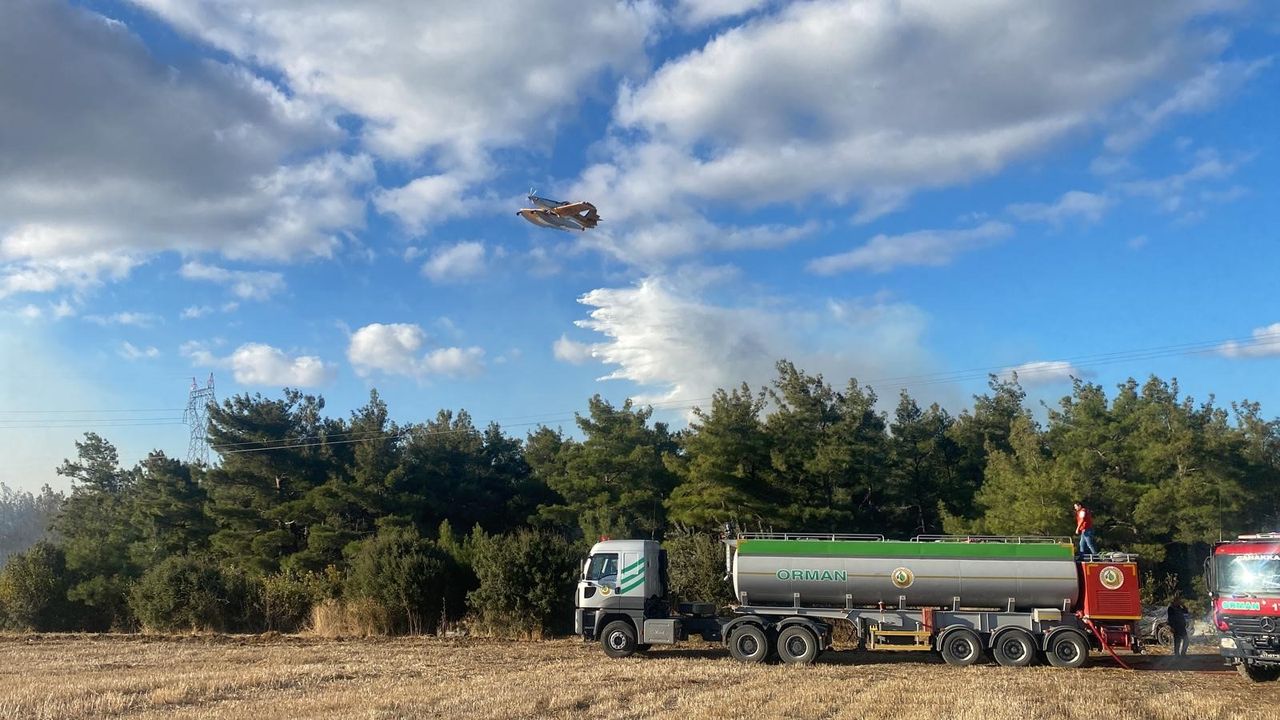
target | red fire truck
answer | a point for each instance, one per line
(1244, 584)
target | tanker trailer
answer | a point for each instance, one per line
(1019, 598)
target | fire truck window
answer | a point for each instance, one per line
(1250, 574)
(604, 567)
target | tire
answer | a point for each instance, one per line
(618, 639)
(1258, 673)
(797, 646)
(1067, 650)
(1164, 635)
(961, 647)
(749, 644)
(1014, 648)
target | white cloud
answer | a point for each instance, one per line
(454, 362)
(195, 311)
(62, 309)
(1202, 92)
(29, 312)
(244, 284)
(261, 364)
(193, 156)
(922, 247)
(45, 274)
(398, 349)
(1073, 204)
(667, 338)
(1043, 372)
(431, 80)
(427, 200)
(1170, 192)
(571, 351)
(1264, 343)
(129, 351)
(451, 80)
(135, 319)
(868, 102)
(198, 352)
(455, 263)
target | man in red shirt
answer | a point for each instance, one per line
(1084, 528)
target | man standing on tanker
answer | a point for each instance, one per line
(1084, 528)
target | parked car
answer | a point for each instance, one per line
(1154, 627)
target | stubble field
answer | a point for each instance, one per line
(69, 676)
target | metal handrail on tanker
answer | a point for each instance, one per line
(1055, 539)
(808, 536)
(1109, 557)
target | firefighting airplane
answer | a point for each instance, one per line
(560, 215)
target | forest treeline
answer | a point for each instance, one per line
(361, 524)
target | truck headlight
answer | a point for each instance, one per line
(1228, 643)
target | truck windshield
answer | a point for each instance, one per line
(603, 567)
(1248, 574)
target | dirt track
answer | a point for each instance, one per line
(61, 676)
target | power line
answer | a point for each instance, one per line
(88, 412)
(74, 425)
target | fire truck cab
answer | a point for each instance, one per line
(1244, 585)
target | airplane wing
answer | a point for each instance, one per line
(574, 208)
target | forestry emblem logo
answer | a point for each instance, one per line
(902, 578)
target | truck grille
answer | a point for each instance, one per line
(1253, 624)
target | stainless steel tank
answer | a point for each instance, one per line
(926, 573)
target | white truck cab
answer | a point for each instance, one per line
(622, 574)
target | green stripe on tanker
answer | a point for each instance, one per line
(904, 549)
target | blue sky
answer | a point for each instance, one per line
(322, 195)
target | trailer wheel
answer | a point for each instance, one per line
(1014, 648)
(618, 639)
(749, 644)
(797, 646)
(1259, 673)
(961, 647)
(1164, 635)
(1067, 650)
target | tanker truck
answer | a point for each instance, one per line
(1020, 599)
(1244, 585)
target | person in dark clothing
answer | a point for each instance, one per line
(1178, 617)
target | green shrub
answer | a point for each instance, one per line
(191, 592)
(527, 580)
(33, 590)
(411, 578)
(695, 568)
(287, 599)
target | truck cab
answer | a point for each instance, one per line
(1244, 584)
(623, 600)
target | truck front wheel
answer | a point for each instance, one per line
(1259, 673)
(618, 639)
(749, 644)
(797, 646)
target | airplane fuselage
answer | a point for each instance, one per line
(546, 218)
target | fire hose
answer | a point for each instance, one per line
(1105, 646)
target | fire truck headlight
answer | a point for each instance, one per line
(1228, 643)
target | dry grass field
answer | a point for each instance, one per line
(74, 676)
